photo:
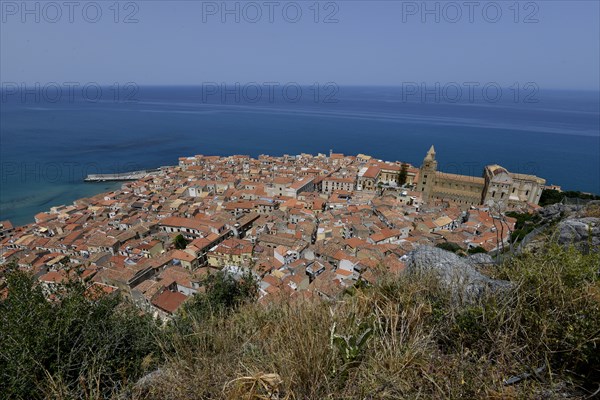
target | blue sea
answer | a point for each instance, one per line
(48, 145)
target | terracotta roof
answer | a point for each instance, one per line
(460, 178)
(182, 223)
(169, 301)
(6, 225)
(183, 256)
(371, 172)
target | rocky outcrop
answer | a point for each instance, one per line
(583, 233)
(455, 273)
(554, 212)
(568, 224)
(480, 259)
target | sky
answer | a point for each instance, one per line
(555, 44)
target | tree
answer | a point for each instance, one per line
(222, 295)
(223, 290)
(403, 174)
(550, 196)
(180, 242)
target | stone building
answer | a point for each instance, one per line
(380, 173)
(332, 183)
(509, 188)
(496, 187)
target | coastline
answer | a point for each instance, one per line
(121, 177)
(116, 180)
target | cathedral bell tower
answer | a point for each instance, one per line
(427, 174)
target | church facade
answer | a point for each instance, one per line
(497, 186)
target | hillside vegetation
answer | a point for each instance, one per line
(550, 196)
(405, 337)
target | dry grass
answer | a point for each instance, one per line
(592, 210)
(423, 345)
(257, 387)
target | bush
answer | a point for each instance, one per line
(476, 250)
(449, 246)
(71, 347)
(559, 300)
(222, 295)
(525, 224)
(550, 196)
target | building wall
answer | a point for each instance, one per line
(216, 259)
(427, 176)
(329, 185)
(389, 176)
(465, 190)
(497, 185)
(530, 189)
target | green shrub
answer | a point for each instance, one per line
(221, 295)
(550, 196)
(449, 246)
(71, 347)
(180, 242)
(476, 250)
(525, 224)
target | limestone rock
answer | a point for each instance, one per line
(583, 233)
(480, 259)
(455, 273)
(555, 211)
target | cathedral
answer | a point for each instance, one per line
(497, 186)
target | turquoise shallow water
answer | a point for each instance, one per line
(48, 148)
